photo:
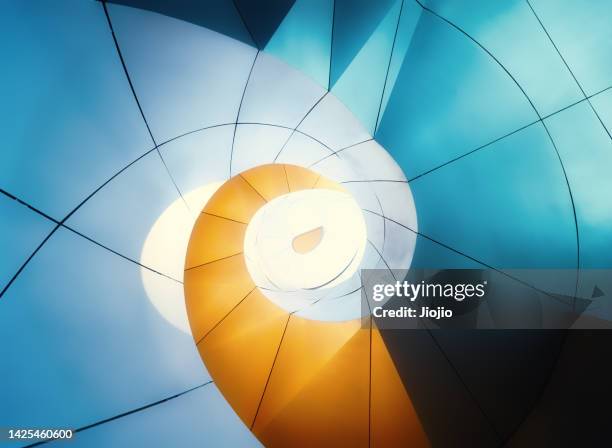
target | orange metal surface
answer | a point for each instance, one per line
(240, 351)
(206, 246)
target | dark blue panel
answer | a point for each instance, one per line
(218, 15)
(263, 17)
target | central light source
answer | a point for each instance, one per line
(305, 240)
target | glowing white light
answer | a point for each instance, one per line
(334, 224)
(167, 240)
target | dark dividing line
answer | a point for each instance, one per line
(335, 153)
(246, 86)
(125, 257)
(568, 68)
(74, 210)
(331, 45)
(503, 67)
(212, 126)
(482, 146)
(488, 266)
(224, 217)
(63, 225)
(255, 189)
(454, 368)
(92, 194)
(144, 118)
(286, 178)
(271, 369)
(500, 438)
(295, 129)
(125, 414)
(123, 64)
(25, 263)
(245, 24)
(384, 220)
(213, 261)
(382, 95)
(381, 257)
(492, 142)
(34, 209)
(226, 315)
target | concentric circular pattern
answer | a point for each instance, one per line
(272, 364)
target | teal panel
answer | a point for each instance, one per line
(511, 31)
(303, 39)
(21, 231)
(603, 105)
(186, 77)
(429, 254)
(506, 205)
(582, 32)
(586, 151)
(354, 23)
(361, 85)
(450, 98)
(411, 13)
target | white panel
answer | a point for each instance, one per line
(302, 150)
(371, 162)
(278, 93)
(333, 124)
(186, 76)
(257, 145)
(397, 202)
(199, 159)
(122, 213)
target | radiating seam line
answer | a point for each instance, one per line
(224, 217)
(331, 45)
(464, 384)
(482, 146)
(483, 48)
(454, 369)
(271, 370)
(245, 24)
(488, 266)
(144, 118)
(255, 189)
(62, 224)
(382, 96)
(568, 68)
(119, 254)
(246, 86)
(226, 315)
(125, 414)
(295, 129)
(213, 261)
(335, 153)
(22, 267)
(286, 178)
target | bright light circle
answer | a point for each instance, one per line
(167, 241)
(331, 219)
